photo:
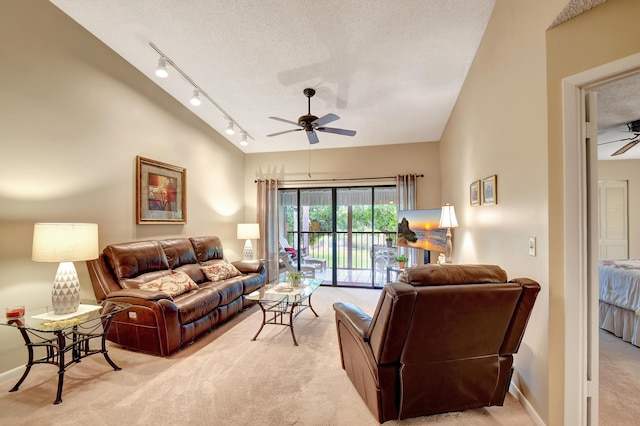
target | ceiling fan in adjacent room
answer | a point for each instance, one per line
(634, 128)
(310, 123)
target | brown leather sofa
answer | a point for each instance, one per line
(160, 323)
(442, 339)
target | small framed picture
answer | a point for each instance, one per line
(490, 190)
(161, 192)
(474, 193)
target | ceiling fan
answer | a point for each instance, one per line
(634, 127)
(310, 123)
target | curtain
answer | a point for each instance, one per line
(268, 220)
(406, 200)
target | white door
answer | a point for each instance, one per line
(613, 240)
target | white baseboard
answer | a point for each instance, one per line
(11, 374)
(515, 391)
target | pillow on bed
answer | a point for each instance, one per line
(174, 285)
(220, 271)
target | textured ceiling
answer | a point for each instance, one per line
(575, 8)
(391, 70)
(618, 104)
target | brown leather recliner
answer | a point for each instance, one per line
(442, 339)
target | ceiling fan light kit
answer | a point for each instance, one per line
(310, 123)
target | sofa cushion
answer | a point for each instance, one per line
(221, 270)
(179, 251)
(207, 248)
(129, 260)
(173, 284)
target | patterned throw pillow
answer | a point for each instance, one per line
(220, 271)
(174, 285)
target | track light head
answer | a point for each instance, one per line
(195, 99)
(161, 69)
(230, 130)
(244, 141)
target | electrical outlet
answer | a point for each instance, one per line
(532, 246)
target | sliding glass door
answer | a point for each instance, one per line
(340, 232)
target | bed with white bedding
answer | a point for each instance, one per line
(620, 298)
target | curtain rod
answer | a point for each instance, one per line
(338, 179)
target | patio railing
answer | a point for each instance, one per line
(354, 249)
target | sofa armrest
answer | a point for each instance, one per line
(355, 317)
(249, 266)
(139, 294)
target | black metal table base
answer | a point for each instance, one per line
(279, 310)
(76, 341)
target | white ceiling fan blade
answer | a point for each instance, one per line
(282, 133)
(313, 137)
(324, 120)
(343, 132)
(284, 121)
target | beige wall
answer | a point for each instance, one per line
(628, 170)
(348, 163)
(74, 116)
(596, 37)
(498, 126)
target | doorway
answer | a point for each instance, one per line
(580, 249)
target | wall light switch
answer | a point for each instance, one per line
(532, 246)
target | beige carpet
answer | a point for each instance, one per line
(224, 379)
(619, 381)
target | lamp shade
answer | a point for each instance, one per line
(64, 242)
(248, 231)
(448, 217)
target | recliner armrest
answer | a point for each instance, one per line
(248, 266)
(355, 317)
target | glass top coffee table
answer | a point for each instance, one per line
(66, 337)
(281, 304)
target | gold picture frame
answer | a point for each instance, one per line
(161, 192)
(490, 190)
(474, 193)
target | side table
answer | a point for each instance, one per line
(65, 335)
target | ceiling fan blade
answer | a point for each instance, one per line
(282, 133)
(620, 140)
(343, 132)
(285, 121)
(626, 148)
(324, 120)
(313, 137)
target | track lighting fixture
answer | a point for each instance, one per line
(161, 69)
(198, 94)
(195, 99)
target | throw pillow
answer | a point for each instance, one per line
(220, 271)
(291, 251)
(174, 285)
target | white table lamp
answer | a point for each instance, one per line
(248, 232)
(448, 220)
(65, 243)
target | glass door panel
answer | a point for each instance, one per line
(340, 233)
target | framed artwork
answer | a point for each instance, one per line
(474, 193)
(490, 190)
(161, 192)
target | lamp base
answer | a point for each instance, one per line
(248, 250)
(448, 258)
(65, 296)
